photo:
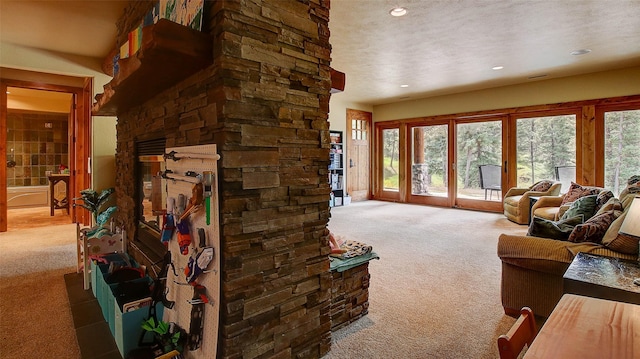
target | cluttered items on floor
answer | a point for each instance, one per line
(172, 311)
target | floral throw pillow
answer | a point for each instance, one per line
(594, 228)
(603, 198)
(576, 191)
(542, 186)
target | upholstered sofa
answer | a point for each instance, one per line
(552, 207)
(533, 267)
(516, 201)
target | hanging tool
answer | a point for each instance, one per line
(177, 156)
(199, 264)
(198, 301)
(168, 228)
(195, 201)
(169, 174)
(180, 205)
(208, 181)
(184, 237)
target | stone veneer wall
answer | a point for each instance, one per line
(265, 103)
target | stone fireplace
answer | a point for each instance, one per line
(264, 101)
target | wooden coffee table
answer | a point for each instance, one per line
(603, 277)
(585, 328)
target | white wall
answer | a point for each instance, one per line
(104, 128)
(338, 112)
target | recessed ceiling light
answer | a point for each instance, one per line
(8, 92)
(497, 68)
(580, 52)
(404, 86)
(398, 11)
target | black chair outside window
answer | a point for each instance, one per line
(565, 175)
(490, 179)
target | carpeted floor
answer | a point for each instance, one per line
(35, 316)
(435, 292)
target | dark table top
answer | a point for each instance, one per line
(605, 271)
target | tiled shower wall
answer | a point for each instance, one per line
(37, 142)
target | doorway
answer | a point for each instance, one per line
(358, 149)
(37, 141)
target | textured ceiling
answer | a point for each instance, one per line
(444, 47)
(439, 47)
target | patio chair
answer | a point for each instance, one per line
(565, 175)
(490, 179)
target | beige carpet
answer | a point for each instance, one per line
(435, 292)
(35, 316)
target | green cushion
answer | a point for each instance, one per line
(585, 206)
(545, 228)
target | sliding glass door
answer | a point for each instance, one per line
(430, 164)
(478, 165)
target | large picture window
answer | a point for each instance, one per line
(470, 160)
(621, 150)
(545, 146)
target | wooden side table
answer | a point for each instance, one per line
(603, 277)
(54, 202)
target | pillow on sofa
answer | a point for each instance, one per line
(594, 228)
(602, 198)
(612, 204)
(545, 228)
(620, 242)
(542, 186)
(576, 191)
(585, 206)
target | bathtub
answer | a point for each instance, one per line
(27, 196)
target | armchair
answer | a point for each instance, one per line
(516, 201)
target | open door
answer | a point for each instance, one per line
(79, 141)
(3, 155)
(80, 149)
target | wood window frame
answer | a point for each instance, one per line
(589, 141)
(600, 111)
(512, 153)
